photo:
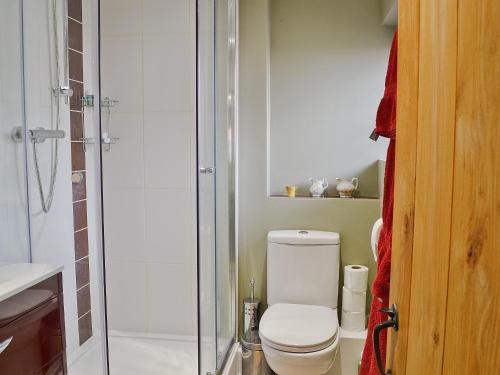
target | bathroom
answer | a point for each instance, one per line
(198, 187)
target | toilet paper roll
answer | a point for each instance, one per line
(356, 277)
(353, 321)
(353, 300)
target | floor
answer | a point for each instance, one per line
(145, 356)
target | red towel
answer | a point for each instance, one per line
(386, 113)
(386, 127)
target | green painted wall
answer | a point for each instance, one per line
(259, 213)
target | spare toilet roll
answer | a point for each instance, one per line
(356, 277)
(353, 300)
(353, 321)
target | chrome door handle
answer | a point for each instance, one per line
(4, 344)
(207, 170)
(393, 322)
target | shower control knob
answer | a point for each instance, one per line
(17, 134)
(207, 170)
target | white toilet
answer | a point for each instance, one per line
(300, 329)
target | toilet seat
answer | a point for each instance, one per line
(296, 328)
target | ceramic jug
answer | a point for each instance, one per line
(318, 187)
(347, 188)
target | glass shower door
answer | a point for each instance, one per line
(206, 188)
(216, 181)
(225, 59)
(14, 234)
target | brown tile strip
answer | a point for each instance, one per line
(76, 99)
(76, 126)
(75, 9)
(79, 215)
(79, 189)
(75, 65)
(82, 272)
(77, 156)
(85, 327)
(75, 40)
(83, 301)
(81, 244)
(75, 57)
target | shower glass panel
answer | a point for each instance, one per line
(14, 234)
(148, 136)
(206, 188)
(167, 159)
(39, 223)
(225, 61)
(216, 182)
(168, 166)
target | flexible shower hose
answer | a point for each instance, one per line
(46, 201)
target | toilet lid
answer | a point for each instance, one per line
(299, 328)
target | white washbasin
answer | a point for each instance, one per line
(16, 277)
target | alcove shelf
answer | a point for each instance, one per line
(300, 197)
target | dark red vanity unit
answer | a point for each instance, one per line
(32, 340)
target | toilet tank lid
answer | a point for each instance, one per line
(303, 237)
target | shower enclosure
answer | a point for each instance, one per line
(133, 189)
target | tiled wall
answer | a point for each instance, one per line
(78, 166)
(148, 64)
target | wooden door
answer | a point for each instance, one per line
(446, 244)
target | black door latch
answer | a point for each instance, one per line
(392, 322)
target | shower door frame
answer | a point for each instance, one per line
(220, 362)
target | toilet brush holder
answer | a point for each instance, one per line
(253, 359)
(250, 315)
(250, 311)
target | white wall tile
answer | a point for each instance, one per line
(170, 303)
(121, 63)
(121, 17)
(169, 220)
(168, 73)
(148, 58)
(168, 150)
(127, 302)
(124, 162)
(166, 16)
(124, 224)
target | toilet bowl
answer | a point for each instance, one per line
(300, 330)
(300, 339)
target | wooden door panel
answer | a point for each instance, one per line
(433, 194)
(472, 329)
(446, 259)
(404, 192)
